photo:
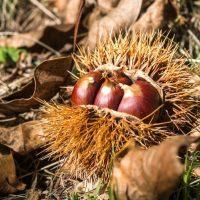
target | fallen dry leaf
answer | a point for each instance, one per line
(119, 18)
(150, 174)
(69, 9)
(24, 137)
(106, 6)
(48, 77)
(156, 16)
(102, 8)
(50, 37)
(60, 5)
(8, 178)
(22, 40)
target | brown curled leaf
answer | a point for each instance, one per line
(150, 174)
(48, 77)
(119, 18)
(8, 178)
(157, 16)
(24, 137)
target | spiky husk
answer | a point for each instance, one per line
(88, 137)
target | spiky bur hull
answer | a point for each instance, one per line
(88, 137)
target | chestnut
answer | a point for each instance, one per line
(121, 77)
(86, 88)
(109, 95)
(140, 99)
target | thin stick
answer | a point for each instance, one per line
(76, 77)
(190, 60)
(194, 37)
(43, 168)
(81, 7)
(46, 11)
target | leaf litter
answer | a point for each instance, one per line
(46, 80)
(48, 77)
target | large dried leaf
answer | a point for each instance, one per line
(24, 137)
(150, 174)
(8, 178)
(68, 9)
(107, 5)
(156, 16)
(48, 77)
(48, 37)
(119, 18)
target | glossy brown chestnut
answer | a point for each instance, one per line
(140, 99)
(121, 77)
(86, 88)
(109, 95)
